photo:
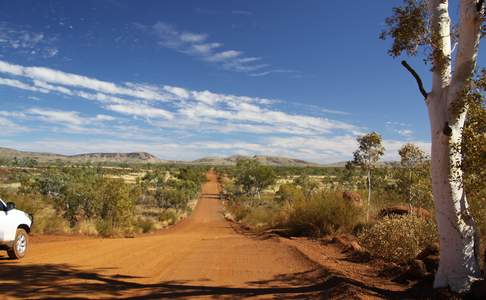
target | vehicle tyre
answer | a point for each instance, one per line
(19, 248)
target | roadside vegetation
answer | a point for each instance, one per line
(100, 200)
(386, 207)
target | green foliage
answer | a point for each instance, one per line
(170, 197)
(408, 28)
(413, 177)
(322, 214)
(289, 193)
(47, 219)
(145, 224)
(253, 177)
(369, 151)
(308, 185)
(398, 239)
(474, 150)
(169, 215)
(96, 200)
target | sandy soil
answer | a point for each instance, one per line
(201, 257)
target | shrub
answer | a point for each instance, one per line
(290, 193)
(261, 217)
(86, 227)
(145, 224)
(322, 214)
(399, 238)
(48, 221)
(170, 216)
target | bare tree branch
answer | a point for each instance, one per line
(417, 78)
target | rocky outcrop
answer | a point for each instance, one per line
(353, 198)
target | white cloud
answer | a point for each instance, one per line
(190, 37)
(180, 112)
(197, 44)
(47, 75)
(57, 116)
(405, 132)
(21, 85)
(183, 107)
(105, 118)
(9, 127)
(204, 49)
(26, 41)
(265, 73)
(223, 56)
(138, 109)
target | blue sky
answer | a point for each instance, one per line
(187, 79)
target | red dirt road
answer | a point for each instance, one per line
(202, 256)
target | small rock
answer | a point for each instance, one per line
(417, 269)
(353, 198)
(431, 249)
(431, 263)
(355, 247)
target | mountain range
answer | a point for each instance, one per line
(144, 157)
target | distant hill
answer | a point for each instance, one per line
(144, 157)
(265, 160)
(132, 157)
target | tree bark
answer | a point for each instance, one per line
(369, 196)
(459, 256)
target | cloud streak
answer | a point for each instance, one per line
(26, 42)
(198, 45)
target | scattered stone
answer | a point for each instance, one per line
(401, 210)
(353, 198)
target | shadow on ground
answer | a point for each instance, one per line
(64, 281)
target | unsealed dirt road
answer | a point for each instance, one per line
(202, 256)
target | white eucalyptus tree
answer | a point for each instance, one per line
(427, 23)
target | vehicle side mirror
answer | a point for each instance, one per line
(10, 206)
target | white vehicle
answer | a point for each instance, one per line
(14, 228)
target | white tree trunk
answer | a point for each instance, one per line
(369, 196)
(459, 264)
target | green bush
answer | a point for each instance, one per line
(398, 239)
(261, 217)
(322, 214)
(48, 221)
(145, 224)
(290, 193)
(170, 215)
(105, 228)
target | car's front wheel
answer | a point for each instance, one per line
(19, 247)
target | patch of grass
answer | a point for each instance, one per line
(48, 221)
(322, 214)
(86, 227)
(145, 224)
(170, 216)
